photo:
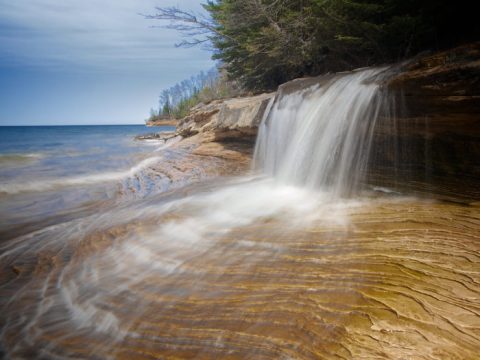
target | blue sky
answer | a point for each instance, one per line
(88, 61)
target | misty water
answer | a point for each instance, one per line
(112, 256)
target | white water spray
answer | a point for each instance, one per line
(319, 137)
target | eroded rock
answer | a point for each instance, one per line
(226, 120)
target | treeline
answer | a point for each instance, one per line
(263, 43)
(176, 101)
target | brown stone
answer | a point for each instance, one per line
(234, 119)
(431, 140)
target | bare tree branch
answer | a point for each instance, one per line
(197, 29)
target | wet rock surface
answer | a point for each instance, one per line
(394, 279)
(429, 137)
(164, 135)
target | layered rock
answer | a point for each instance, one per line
(226, 120)
(429, 137)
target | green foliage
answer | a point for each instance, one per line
(154, 116)
(183, 107)
(177, 101)
(266, 42)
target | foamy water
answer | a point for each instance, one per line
(158, 239)
(33, 186)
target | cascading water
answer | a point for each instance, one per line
(319, 137)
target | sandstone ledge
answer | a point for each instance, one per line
(234, 119)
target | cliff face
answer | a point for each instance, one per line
(429, 139)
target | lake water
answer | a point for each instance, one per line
(43, 153)
(45, 170)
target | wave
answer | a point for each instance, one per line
(20, 158)
(33, 186)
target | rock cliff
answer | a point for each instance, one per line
(429, 138)
(234, 119)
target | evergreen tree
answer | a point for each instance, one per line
(263, 43)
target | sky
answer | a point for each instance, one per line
(66, 62)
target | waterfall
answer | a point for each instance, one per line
(319, 137)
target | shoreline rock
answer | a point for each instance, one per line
(235, 119)
(164, 122)
(165, 135)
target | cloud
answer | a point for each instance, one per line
(107, 35)
(88, 61)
